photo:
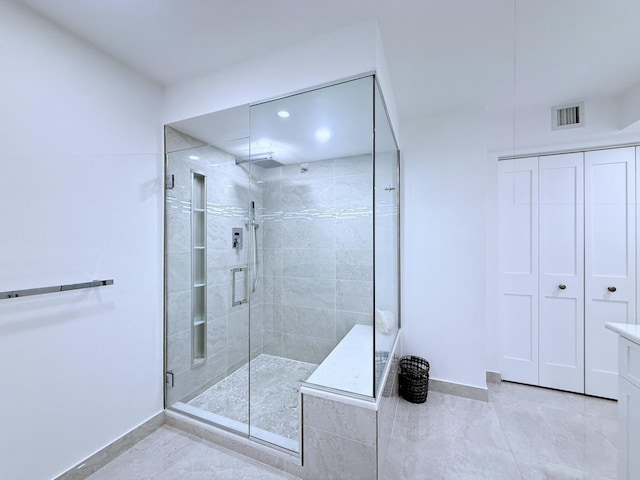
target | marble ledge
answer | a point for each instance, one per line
(349, 366)
(346, 374)
(271, 455)
(368, 403)
(627, 330)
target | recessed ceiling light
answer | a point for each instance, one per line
(194, 157)
(283, 114)
(323, 134)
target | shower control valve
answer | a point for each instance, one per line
(236, 238)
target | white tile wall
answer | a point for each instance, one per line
(318, 248)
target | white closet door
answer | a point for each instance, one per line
(561, 320)
(518, 289)
(609, 262)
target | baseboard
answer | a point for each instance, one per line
(459, 389)
(494, 377)
(99, 459)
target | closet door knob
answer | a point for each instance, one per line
(562, 286)
(612, 289)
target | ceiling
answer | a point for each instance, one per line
(443, 55)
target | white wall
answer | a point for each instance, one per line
(340, 54)
(443, 244)
(609, 121)
(386, 87)
(605, 118)
(81, 199)
(629, 104)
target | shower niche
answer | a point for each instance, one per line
(282, 262)
(198, 270)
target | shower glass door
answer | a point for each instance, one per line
(208, 245)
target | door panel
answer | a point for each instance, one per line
(518, 289)
(609, 261)
(561, 229)
(520, 328)
(206, 345)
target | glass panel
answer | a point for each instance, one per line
(207, 204)
(387, 194)
(280, 256)
(312, 181)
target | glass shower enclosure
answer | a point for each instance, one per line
(281, 241)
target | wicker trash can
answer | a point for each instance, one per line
(414, 379)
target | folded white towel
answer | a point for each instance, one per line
(385, 321)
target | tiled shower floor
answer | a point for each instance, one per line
(273, 395)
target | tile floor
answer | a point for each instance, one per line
(522, 433)
(170, 454)
(274, 395)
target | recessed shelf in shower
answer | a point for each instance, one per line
(198, 268)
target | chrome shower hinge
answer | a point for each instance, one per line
(169, 181)
(168, 379)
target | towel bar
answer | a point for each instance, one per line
(58, 288)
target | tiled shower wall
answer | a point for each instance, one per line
(318, 255)
(228, 191)
(315, 259)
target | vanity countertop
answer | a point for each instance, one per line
(629, 331)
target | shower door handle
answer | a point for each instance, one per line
(234, 286)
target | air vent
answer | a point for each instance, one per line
(567, 116)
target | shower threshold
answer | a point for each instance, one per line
(273, 399)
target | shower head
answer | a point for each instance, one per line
(266, 161)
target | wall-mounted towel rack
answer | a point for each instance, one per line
(57, 288)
